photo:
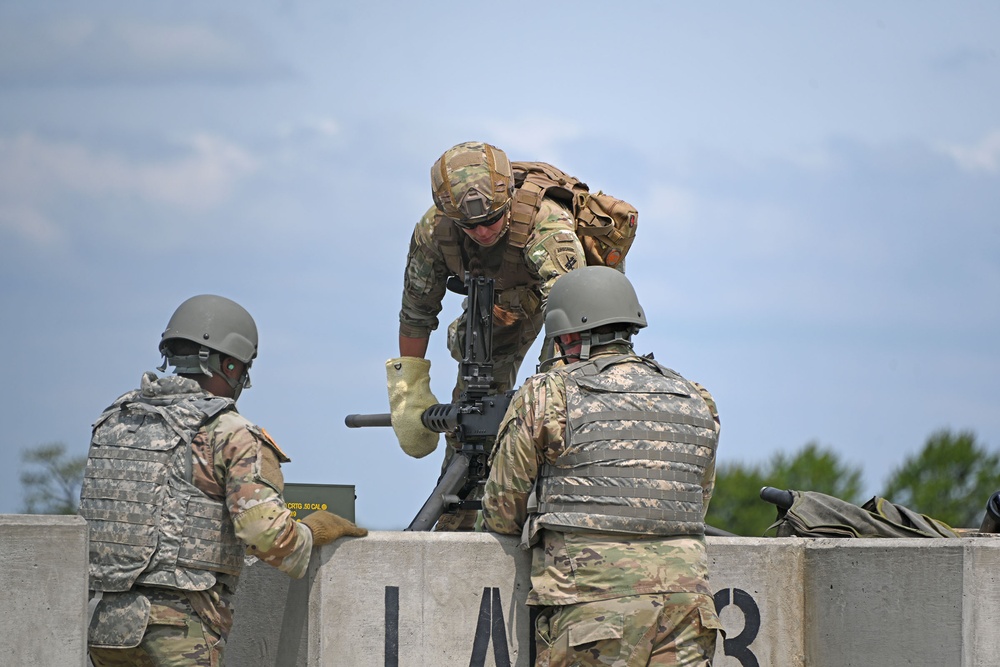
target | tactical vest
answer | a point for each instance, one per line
(516, 289)
(149, 524)
(605, 225)
(637, 445)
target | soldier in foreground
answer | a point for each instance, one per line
(606, 466)
(469, 229)
(178, 487)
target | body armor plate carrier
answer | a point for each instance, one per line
(149, 524)
(638, 442)
(606, 225)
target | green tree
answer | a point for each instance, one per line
(736, 505)
(950, 479)
(815, 468)
(52, 481)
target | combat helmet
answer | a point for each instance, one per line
(589, 298)
(472, 183)
(219, 326)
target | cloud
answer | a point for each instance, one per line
(963, 59)
(687, 219)
(532, 138)
(84, 50)
(28, 223)
(35, 172)
(878, 238)
(314, 126)
(981, 156)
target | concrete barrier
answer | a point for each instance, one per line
(422, 599)
(759, 597)
(902, 602)
(392, 598)
(442, 599)
(43, 590)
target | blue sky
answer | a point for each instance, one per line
(818, 187)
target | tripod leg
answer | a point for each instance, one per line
(452, 481)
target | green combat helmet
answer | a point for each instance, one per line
(219, 326)
(472, 183)
(591, 297)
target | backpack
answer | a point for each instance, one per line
(606, 225)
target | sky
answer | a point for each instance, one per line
(818, 187)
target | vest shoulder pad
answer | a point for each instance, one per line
(213, 405)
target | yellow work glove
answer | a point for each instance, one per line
(408, 380)
(327, 527)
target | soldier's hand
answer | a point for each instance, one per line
(327, 527)
(408, 381)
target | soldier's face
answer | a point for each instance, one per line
(488, 235)
(571, 345)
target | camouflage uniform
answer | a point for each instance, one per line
(631, 594)
(234, 464)
(552, 249)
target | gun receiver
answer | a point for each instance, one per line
(473, 421)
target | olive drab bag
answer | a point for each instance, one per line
(814, 514)
(606, 225)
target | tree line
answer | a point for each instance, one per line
(949, 479)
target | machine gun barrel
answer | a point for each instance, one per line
(480, 420)
(364, 421)
(778, 497)
(991, 522)
(472, 421)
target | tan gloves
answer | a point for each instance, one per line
(409, 383)
(327, 527)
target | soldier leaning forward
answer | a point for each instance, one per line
(469, 229)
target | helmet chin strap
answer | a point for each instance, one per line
(206, 362)
(588, 340)
(237, 384)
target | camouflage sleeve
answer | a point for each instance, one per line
(531, 433)
(708, 480)
(553, 247)
(423, 281)
(247, 462)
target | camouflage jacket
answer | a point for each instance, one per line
(570, 566)
(552, 249)
(237, 465)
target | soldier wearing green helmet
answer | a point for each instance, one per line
(178, 488)
(469, 229)
(605, 466)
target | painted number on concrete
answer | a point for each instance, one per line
(739, 646)
(490, 628)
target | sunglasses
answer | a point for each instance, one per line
(492, 220)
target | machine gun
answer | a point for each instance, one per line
(474, 420)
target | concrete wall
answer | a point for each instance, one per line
(902, 602)
(390, 599)
(43, 590)
(417, 599)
